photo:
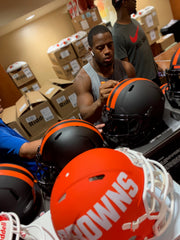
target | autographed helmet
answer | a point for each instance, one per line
(173, 79)
(114, 194)
(133, 110)
(17, 192)
(65, 140)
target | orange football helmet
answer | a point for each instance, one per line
(112, 194)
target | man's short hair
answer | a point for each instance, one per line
(96, 30)
(117, 4)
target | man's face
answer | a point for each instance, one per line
(131, 5)
(103, 49)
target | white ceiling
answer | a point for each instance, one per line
(14, 12)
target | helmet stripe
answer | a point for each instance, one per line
(15, 174)
(14, 167)
(69, 123)
(113, 91)
(175, 60)
(121, 87)
(164, 87)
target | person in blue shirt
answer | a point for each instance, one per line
(16, 149)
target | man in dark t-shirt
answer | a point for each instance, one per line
(130, 41)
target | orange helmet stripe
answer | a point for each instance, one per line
(16, 167)
(175, 60)
(12, 173)
(176, 67)
(68, 123)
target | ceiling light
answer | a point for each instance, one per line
(30, 17)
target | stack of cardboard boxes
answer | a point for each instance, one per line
(87, 20)
(149, 21)
(69, 55)
(36, 111)
(23, 77)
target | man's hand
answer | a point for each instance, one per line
(100, 127)
(105, 90)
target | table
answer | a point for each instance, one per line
(164, 58)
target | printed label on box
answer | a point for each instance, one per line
(35, 87)
(66, 67)
(27, 72)
(24, 89)
(75, 66)
(73, 99)
(149, 20)
(94, 16)
(84, 25)
(47, 114)
(64, 54)
(61, 99)
(85, 43)
(31, 118)
(15, 76)
(152, 35)
(23, 107)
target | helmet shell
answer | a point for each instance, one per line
(134, 107)
(68, 138)
(18, 192)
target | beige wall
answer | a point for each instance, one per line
(163, 8)
(31, 42)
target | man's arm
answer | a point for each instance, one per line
(29, 149)
(90, 110)
(129, 68)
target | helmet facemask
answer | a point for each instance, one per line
(173, 90)
(158, 194)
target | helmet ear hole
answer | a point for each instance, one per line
(98, 177)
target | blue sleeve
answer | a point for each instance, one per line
(10, 141)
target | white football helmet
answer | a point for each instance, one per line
(11, 229)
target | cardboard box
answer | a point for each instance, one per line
(9, 117)
(80, 23)
(31, 86)
(166, 40)
(152, 36)
(61, 53)
(85, 59)
(68, 70)
(80, 44)
(93, 17)
(63, 100)
(73, 115)
(35, 113)
(148, 18)
(20, 73)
